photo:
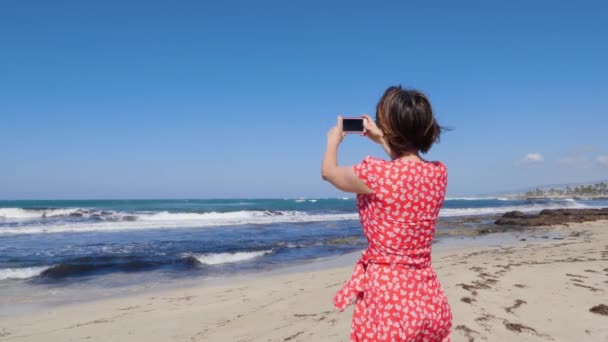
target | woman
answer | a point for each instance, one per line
(398, 296)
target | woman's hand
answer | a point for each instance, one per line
(336, 133)
(376, 135)
(371, 130)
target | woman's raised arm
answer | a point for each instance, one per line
(342, 177)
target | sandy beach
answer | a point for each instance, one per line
(540, 289)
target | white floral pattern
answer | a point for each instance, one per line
(398, 296)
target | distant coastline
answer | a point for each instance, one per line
(562, 197)
(582, 192)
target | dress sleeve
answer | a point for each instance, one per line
(368, 171)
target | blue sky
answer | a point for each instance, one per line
(160, 99)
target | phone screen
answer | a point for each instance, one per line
(352, 125)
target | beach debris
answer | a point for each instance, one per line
(515, 305)
(468, 300)
(518, 327)
(468, 332)
(289, 338)
(600, 309)
(593, 289)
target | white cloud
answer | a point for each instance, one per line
(532, 158)
(602, 160)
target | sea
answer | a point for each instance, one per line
(67, 251)
(52, 244)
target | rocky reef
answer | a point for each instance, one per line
(550, 217)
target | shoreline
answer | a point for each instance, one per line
(484, 286)
(27, 298)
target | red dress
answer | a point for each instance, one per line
(398, 296)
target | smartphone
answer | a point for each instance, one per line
(352, 125)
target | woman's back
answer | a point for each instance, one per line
(399, 216)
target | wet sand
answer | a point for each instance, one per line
(540, 289)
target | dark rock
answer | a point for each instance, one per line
(514, 214)
(549, 217)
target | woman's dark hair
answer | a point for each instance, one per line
(406, 118)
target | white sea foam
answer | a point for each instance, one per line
(125, 221)
(302, 200)
(21, 273)
(224, 258)
(210, 216)
(470, 198)
(449, 212)
(294, 245)
(235, 218)
(19, 213)
(167, 220)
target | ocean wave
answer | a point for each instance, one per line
(210, 216)
(114, 221)
(224, 258)
(22, 272)
(20, 213)
(450, 212)
(91, 264)
(38, 221)
(295, 245)
(475, 199)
